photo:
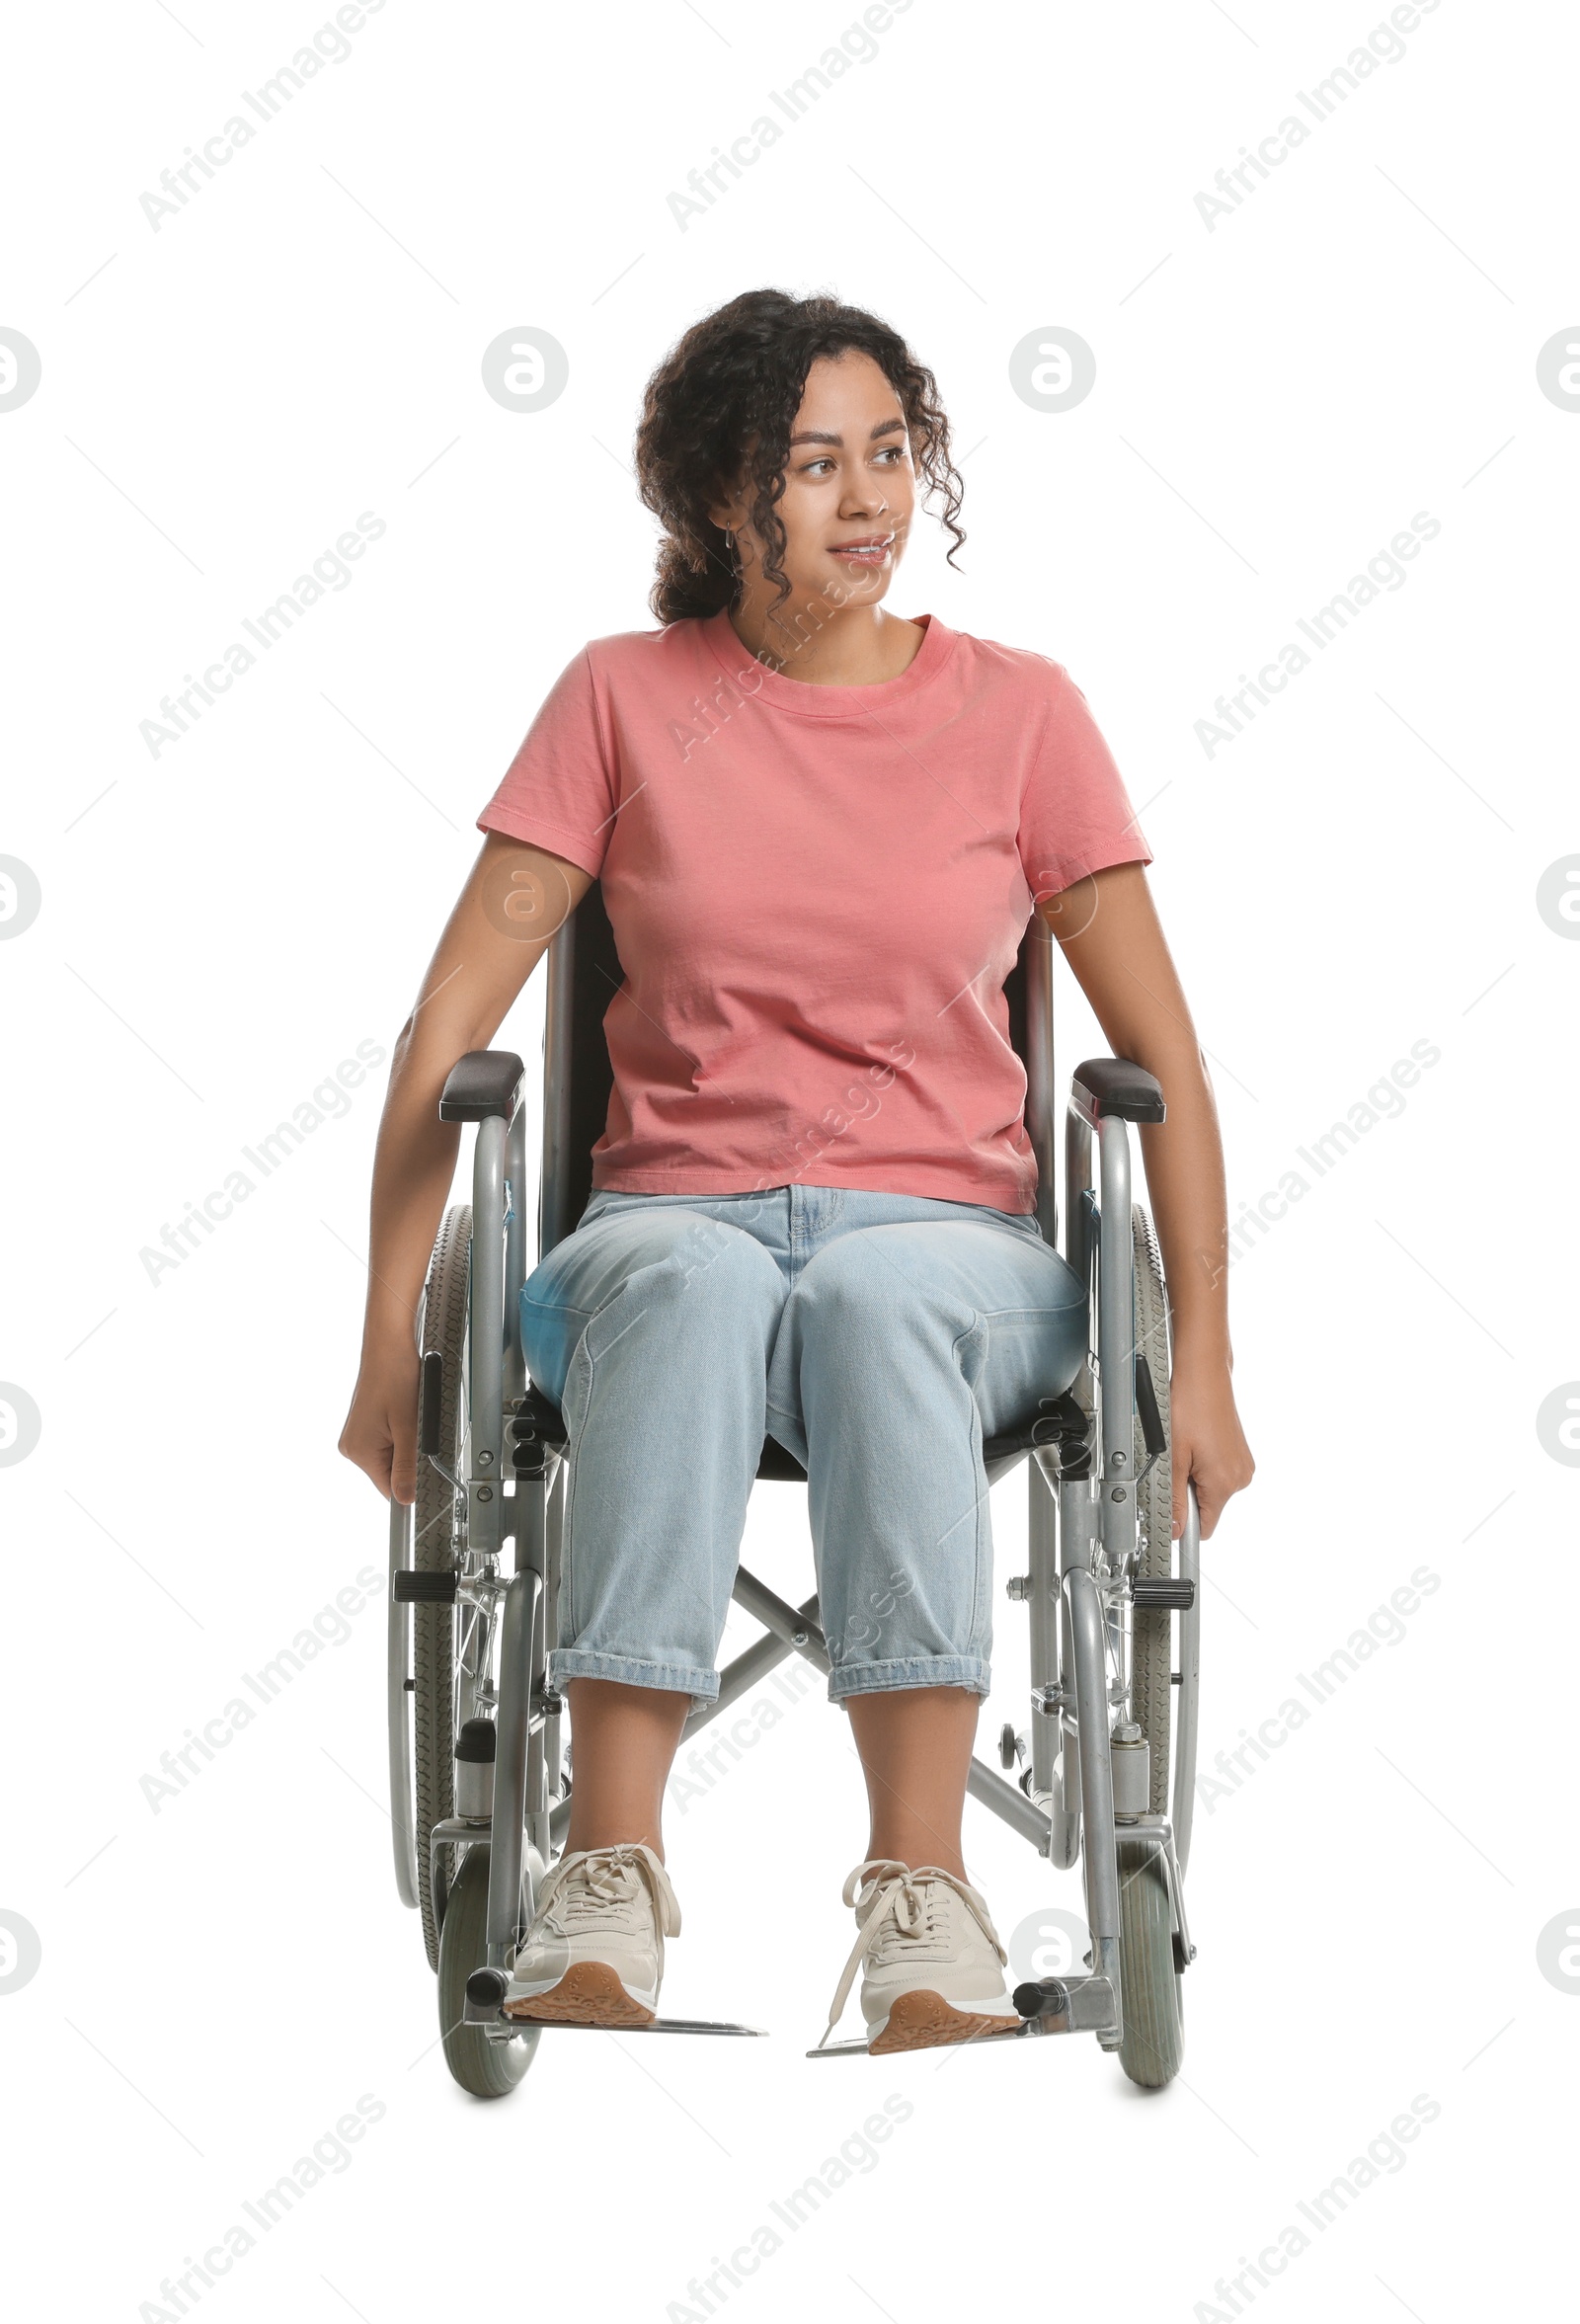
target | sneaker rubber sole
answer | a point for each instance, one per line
(923, 2019)
(588, 1994)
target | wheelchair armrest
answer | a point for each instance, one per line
(1112, 1089)
(483, 1084)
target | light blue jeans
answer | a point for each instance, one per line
(880, 1338)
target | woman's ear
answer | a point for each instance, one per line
(728, 508)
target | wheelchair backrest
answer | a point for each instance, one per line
(585, 975)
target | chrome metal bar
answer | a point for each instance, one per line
(1042, 1109)
(554, 1185)
(1190, 1633)
(516, 1253)
(1097, 1785)
(798, 1630)
(1042, 1535)
(535, 1800)
(1078, 1544)
(554, 1531)
(1116, 1343)
(509, 1765)
(1077, 1183)
(748, 1666)
(485, 1341)
(1009, 1803)
(402, 1803)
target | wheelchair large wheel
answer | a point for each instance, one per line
(1154, 2040)
(1151, 1632)
(440, 1522)
(487, 2070)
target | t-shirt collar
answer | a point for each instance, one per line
(772, 686)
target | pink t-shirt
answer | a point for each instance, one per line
(816, 893)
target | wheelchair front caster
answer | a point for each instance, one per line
(485, 2065)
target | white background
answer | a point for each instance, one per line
(1274, 398)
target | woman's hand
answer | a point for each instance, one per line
(380, 1431)
(1209, 1444)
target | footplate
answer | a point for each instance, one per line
(653, 2026)
(487, 1988)
(1053, 2005)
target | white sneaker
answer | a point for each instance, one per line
(932, 1959)
(593, 1955)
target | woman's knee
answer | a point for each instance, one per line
(861, 1288)
(686, 1278)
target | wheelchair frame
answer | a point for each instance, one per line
(1086, 1788)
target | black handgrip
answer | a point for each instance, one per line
(1047, 1997)
(1163, 1590)
(415, 1588)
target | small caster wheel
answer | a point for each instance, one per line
(1006, 1747)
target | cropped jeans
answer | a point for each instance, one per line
(878, 1337)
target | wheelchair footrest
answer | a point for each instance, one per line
(977, 2042)
(657, 2026)
(1052, 2005)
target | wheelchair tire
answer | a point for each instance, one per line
(438, 1516)
(487, 2070)
(1152, 1633)
(1154, 2040)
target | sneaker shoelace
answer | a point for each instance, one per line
(900, 1915)
(589, 1888)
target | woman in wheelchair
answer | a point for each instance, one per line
(819, 830)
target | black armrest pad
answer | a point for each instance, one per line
(1112, 1089)
(483, 1084)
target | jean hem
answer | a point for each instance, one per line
(911, 1670)
(581, 1662)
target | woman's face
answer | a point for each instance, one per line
(849, 491)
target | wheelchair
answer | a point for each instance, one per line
(480, 1772)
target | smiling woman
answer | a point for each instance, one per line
(814, 1213)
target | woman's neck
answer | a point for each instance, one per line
(822, 645)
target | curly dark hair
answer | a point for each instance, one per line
(734, 380)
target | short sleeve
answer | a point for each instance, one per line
(1075, 815)
(558, 792)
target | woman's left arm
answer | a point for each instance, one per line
(1109, 930)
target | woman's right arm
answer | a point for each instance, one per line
(516, 897)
